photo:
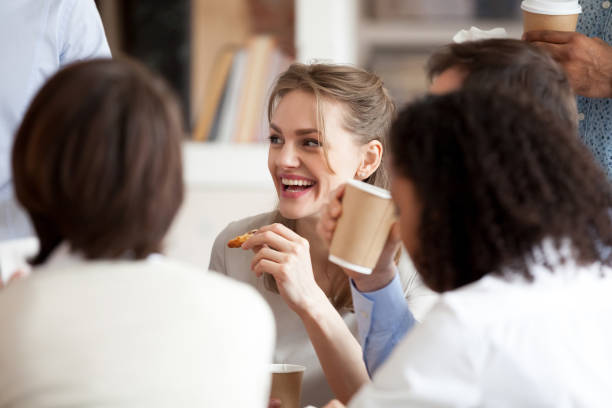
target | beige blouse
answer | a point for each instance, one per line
(292, 343)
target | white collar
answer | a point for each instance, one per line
(64, 257)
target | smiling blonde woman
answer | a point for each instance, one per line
(328, 124)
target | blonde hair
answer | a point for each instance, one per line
(368, 114)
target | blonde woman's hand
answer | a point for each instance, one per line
(385, 268)
(326, 226)
(285, 255)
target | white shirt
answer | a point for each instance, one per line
(500, 343)
(37, 37)
(152, 333)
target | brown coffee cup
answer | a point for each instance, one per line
(362, 230)
(287, 384)
(556, 15)
(532, 22)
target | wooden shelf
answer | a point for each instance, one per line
(425, 32)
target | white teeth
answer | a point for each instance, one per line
(291, 182)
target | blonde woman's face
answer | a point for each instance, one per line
(296, 159)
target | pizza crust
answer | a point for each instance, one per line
(240, 239)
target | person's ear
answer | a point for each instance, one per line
(371, 157)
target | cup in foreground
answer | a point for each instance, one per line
(287, 384)
(361, 233)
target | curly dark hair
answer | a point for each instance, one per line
(496, 175)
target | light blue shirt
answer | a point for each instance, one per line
(383, 318)
(37, 37)
(595, 115)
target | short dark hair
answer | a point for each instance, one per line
(505, 65)
(97, 160)
(496, 175)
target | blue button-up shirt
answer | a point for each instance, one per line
(595, 115)
(37, 37)
(383, 318)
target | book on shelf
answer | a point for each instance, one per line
(235, 106)
(228, 110)
(213, 98)
(385, 9)
(259, 55)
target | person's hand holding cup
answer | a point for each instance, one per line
(368, 239)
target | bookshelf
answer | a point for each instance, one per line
(396, 37)
(373, 34)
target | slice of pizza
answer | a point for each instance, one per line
(240, 239)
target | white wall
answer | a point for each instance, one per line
(224, 183)
(326, 30)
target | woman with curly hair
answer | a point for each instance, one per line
(506, 214)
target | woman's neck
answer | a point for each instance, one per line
(307, 228)
(319, 252)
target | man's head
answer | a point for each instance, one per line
(504, 65)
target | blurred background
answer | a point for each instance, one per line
(222, 56)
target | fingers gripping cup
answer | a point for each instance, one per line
(558, 15)
(287, 384)
(367, 216)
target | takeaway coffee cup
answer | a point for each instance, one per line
(287, 384)
(558, 15)
(367, 216)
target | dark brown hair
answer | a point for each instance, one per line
(496, 175)
(97, 160)
(505, 65)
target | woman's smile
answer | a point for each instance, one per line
(294, 186)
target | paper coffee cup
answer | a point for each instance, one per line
(287, 384)
(558, 15)
(362, 230)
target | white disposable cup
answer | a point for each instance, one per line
(552, 7)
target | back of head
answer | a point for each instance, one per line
(496, 175)
(508, 65)
(368, 108)
(97, 160)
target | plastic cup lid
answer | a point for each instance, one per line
(552, 7)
